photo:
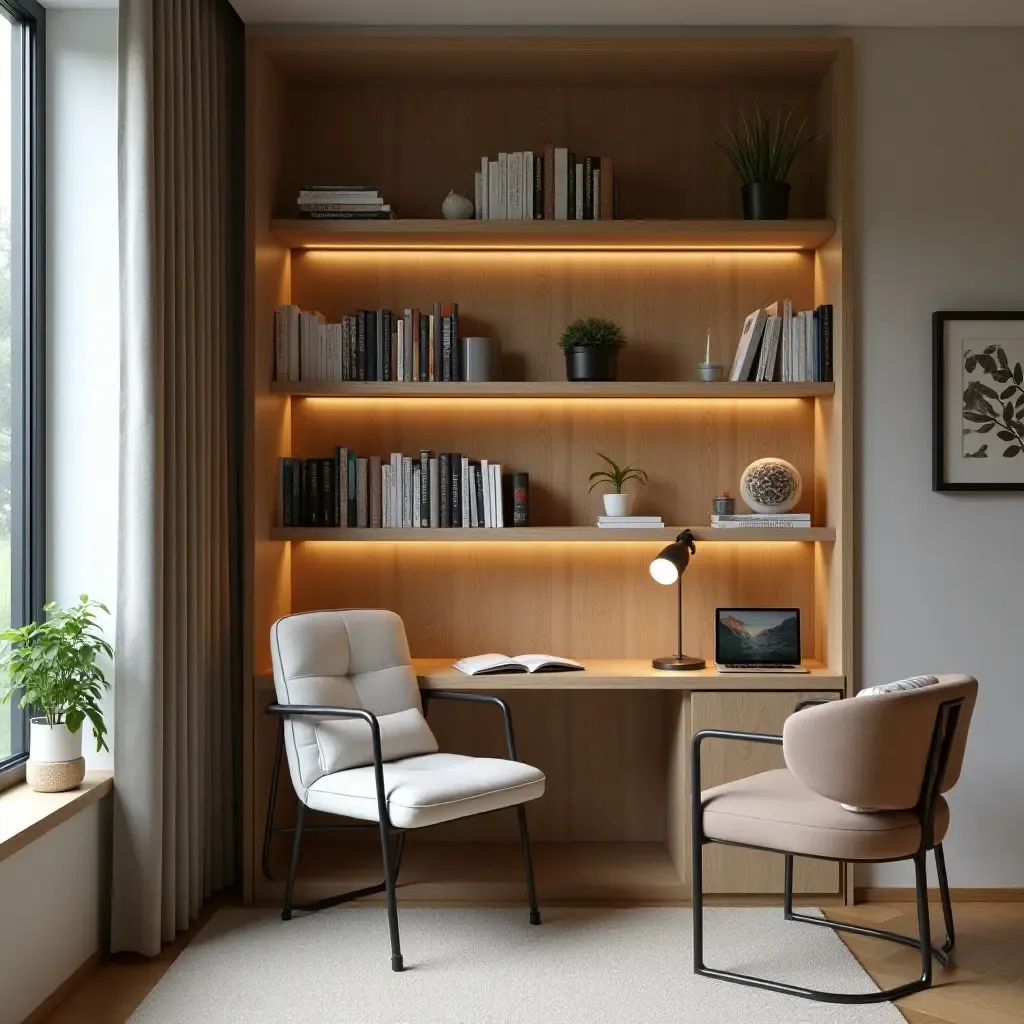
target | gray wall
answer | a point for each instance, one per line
(940, 200)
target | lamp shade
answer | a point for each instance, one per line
(672, 561)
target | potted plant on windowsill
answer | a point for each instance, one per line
(53, 665)
(591, 348)
(763, 154)
(617, 503)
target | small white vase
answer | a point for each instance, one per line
(617, 504)
(55, 761)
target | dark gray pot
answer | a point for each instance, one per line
(766, 200)
(591, 362)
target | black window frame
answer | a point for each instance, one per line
(28, 303)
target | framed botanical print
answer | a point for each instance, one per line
(978, 442)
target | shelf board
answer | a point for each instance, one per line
(527, 389)
(558, 235)
(547, 534)
(613, 674)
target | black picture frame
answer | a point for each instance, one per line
(940, 320)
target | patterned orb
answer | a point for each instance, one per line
(770, 486)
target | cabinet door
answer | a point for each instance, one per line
(731, 869)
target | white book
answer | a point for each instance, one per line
(478, 195)
(342, 459)
(464, 496)
(406, 492)
(630, 526)
(634, 520)
(769, 348)
(499, 520)
(362, 494)
(484, 213)
(597, 193)
(474, 509)
(755, 517)
(338, 195)
(292, 357)
(512, 187)
(485, 474)
(330, 352)
(400, 352)
(805, 363)
(784, 524)
(561, 183)
(396, 490)
(747, 349)
(499, 664)
(416, 524)
(307, 328)
(435, 495)
(493, 188)
(503, 186)
(528, 185)
(787, 339)
(281, 343)
(579, 191)
(339, 352)
(385, 496)
(321, 351)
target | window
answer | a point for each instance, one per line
(21, 334)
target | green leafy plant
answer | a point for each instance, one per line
(594, 331)
(988, 409)
(616, 476)
(763, 151)
(53, 664)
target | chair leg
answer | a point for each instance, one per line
(924, 926)
(697, 891)
(397, 963)
(286, 914)
(947, 908)
(531, 889)
(787, 890)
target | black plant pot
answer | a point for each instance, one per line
(591, 362)
(766, 200)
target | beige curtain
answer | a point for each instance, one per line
(176, 720)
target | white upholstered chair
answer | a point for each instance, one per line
(358, 745)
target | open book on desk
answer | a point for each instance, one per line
(499, 664)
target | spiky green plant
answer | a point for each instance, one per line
(617, 475)
(595, 332)
(764, 151)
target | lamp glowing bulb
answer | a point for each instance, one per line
(664, 571)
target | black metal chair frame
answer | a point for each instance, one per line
(392, 861)
(938, 758)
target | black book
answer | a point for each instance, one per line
(340, 510)
(570, 190)
(446, 348)
(361, 345)
(588, 187)
(327, 482)
(538, 186)
(438, 352)
(456, 490)
(313, 501)
(303, 493)
(296, 492)
(424, 497)
(826, 342)
(353, 349)
(517, 498)
(372, 345)
(444, 471)
(424, 341)
(352, 488)
(388, 357)
(456, 354)
(478, 485)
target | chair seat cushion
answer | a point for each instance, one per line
(428, 789)
(776, 811)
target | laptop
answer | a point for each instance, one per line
(757, 640)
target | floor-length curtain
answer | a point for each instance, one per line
(175, 752)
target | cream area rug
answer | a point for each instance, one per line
(592, 966)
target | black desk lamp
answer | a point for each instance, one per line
(668, 568)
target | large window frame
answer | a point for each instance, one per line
(28, 335)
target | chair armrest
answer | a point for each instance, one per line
(476, 698)
(811, 701)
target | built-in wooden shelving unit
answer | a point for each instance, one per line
(613, 741)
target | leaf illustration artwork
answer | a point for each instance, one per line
(997, 406)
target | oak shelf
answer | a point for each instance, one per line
(548, 534)
(568, 235)
(554, 389)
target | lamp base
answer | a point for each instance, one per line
(679, 663)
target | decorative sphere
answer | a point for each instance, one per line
(770, 486)
(456, 207)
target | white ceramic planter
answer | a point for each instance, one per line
(55, 761)
(617, 504)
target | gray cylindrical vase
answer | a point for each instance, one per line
(481, 359)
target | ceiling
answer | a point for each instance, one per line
(636, 12)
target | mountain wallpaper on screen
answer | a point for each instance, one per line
(759, 635)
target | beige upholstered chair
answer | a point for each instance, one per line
(358, 745)
(863, 782)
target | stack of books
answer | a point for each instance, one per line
(782, 521)
(342, 202)
(445, 489)
(630, 522)
(785, 346)
(370, 344)
(553, 185)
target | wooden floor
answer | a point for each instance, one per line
(985, 987)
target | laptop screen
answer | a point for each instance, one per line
(757, 636)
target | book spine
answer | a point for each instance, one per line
(826, 342)
(372, 345)
(456, 353)
(362, 493)
(455, 491)
(351, 515)
(424, 348)
(560, 183)
(479, 518)
(503, 186)
(570, 188)
(759, 526)
(386, 352)
(435, 494)
(520, 499)
(579, 191)
(538, 186)
(485, 496)
(385, 495)
(407, 342)
(548, 189)
(292, 358)
(293, 493)
(281, 343)
(588, 188)
(446, 348)
(597, 191)
(478, 199)
(424, 490)
(347, 214)
(303, 506)
(326, 492)
(437, 345)
(321, 351)
(754, 517)
(484, 213)
(493, 187)
(499, 518)
(313, 500)
(396, 490)
(464, 493)
(376, 520)
(527, 185)
(414, 497)
(471, 487)
(361, 345)
(607, 189)
(444, 495)
(407, 491)
(400, 350)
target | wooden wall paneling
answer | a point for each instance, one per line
(665, 301)
(677, 825)
(731, 869)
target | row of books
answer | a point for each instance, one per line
(371, 344)
(429, 490)
(553, 185)
(781, 520)
(778, 344)
(342, 202)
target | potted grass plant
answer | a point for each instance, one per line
(763, 154)
(591, 348)
(51, 667)
(617, 503)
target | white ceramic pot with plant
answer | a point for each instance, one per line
(617, 503)
(51, 667)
